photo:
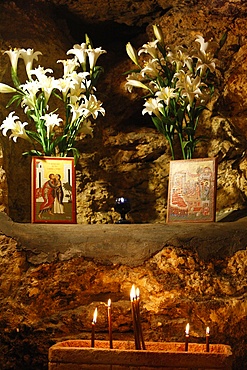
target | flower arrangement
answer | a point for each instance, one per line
(179, 82)
(51, 134)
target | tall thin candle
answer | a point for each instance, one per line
(133, 311)
(110, 323)
(207, 339)
(187, 330)
(139, 318)
(93, 327)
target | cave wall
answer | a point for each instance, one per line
(127, 156)
(49, 290)
(48, 294)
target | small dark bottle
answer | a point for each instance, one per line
(122, 206)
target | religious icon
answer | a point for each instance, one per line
(53, 190)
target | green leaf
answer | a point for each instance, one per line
(157, 123)
(16, 97)
(34, 136)
(33, 152)
(15, 78)
(97, 71)
(223, 39)
(57, 95)
(131, 71)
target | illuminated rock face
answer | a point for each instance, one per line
(52, 279)
(127, 157)
(43, 299)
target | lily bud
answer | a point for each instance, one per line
(6, 88)
(135, 83)
(158, 34)
(132, 53)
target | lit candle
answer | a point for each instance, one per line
(110, 323)
(134, 318)
(207, 339)
(138, 317)
(93, 327)
(187, 330)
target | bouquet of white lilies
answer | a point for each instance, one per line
(51, 134)
(178, 83)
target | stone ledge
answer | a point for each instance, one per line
(133, 244)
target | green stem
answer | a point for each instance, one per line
(171, 147)
(181, 144)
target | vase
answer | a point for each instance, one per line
(53, 190)
(192, 190)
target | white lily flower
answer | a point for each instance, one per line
(166, 94)
(190, 87)
(93, 106)
(178, 83)
(152, 106)
(205, 55)
(150, 48)
(181, 76)
(14, 57)
(93, 55)
(40, 72)
(80, 51)
(13, 123)
(47, 84)
(77, 110)
(206, 47)
(151, 69)
(78, 84)
(51, 120)
(30, 88)
(69, 65)
(28, 55)
(64, 85)
(76, 89)
(78, 80)
(5, 89)
(135, 80)
(205, 61)
(180, 56)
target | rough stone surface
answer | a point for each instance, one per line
(127, 157)
(52, 278)
(77, 354)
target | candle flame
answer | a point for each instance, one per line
(109, 302)
(207, 330)
(95, 316)
(137, 293)
(133, 293)
(187, 329)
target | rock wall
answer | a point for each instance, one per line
(53, 277)
(127, 156)
(49, 290)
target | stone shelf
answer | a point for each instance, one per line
(133, 243)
